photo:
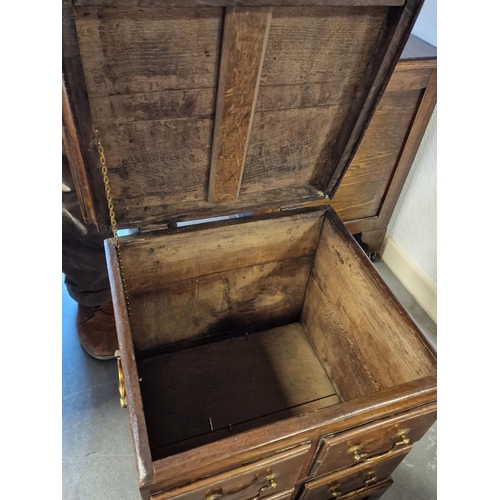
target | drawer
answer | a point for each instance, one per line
(355, 446)
(355, 479)
(274, 476)
(369, 492)
(284, 495)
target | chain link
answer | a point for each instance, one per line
(112, 218)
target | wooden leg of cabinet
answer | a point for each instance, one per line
(371, 241)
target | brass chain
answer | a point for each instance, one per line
(112, 218)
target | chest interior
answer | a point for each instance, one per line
(209, 111)
(245, 322)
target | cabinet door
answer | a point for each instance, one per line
(270, 476)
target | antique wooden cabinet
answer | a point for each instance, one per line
(261, 356)
(367, 195)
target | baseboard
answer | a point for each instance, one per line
(415, 281)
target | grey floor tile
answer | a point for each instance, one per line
(94, 424)
(418, 314)
(111, 477)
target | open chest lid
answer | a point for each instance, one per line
(204, 109)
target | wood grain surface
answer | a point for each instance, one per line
(137, 422)
(253, 444)
(242, 54)
(389, 45)
(364, 185)
(409, 151)
(247, 481)
(373, 441)
(76, 162)
(150, 260)
(253, 297)
(254, 376)
(151, 75)
(83, 141)
(292, 136)
(354, 478)
(237, 3)
(362, 318)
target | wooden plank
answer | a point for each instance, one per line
(387, 50)
(345, 365)
(135, 411)
(137, 50)
(291, 138)
(361, 225)
(373, 239)
(321, 44)
(150, 260)
(147, 161)
(301, 95)
(242, 55)
(368, 313)
(72, 147)
(409, 151)
(258, 375)
(259, 296)
(253, 444)
(152, 106)
(289, 147)
(406, 79)
(159, 214)
(77, 98)
(189, 444)
(238, 3)
(363, 187)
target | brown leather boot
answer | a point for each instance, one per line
(97, 330)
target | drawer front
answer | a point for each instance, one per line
(370, 492)
(271, 476)
(355, 479)
(388, 435)
(284, 495)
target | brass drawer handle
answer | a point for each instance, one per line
(401, 440)
(271, 484)
(335, 493)
(121, 382)
(369, 478)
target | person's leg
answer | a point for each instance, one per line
(86, 276)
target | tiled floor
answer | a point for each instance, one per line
(98, 463)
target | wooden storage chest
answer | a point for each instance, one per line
(261, 354)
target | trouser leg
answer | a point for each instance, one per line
(83, 257)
